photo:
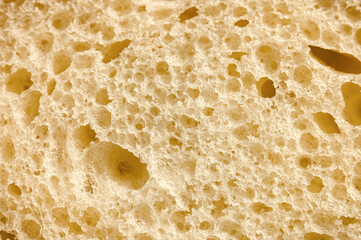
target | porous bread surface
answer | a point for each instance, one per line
(180, 119)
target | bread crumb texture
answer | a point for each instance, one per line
(173, 119)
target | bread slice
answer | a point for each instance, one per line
(197, 119)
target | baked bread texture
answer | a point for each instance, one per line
(199, 120)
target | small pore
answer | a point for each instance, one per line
(341, 62)
(188, 14)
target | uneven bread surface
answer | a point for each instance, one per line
(172, 119)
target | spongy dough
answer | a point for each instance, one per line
(173, 119)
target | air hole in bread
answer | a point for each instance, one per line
(233, 229)
(162, 68)
(326, 122)
(143, 213)
(44, 42)
(310, 29)
(119, 164)
(205, 42)
(108, 32)
(61, 20)
(19, 81)
(237, 55)
(357, 168)
(102, 97)
(317, 236)
(309, 142)
(193, 92)
(102, 117)
(327, 4)
(51, 86)
(342, 62)
(61, 216)
(91, 216)
(3, 219)
(208, 111)
(7, 148)
(143, 236)
(83, 136)
(31, 228)
(260, 208)
(266, 88)
(179, 220)
(8, 235)
(61, 61)
(271, 19)
(175, 142)
(232, 70)
(285, 206)
(352, 96)
(31, 105)
(348, 220)
(239, 11)
(353, 13)
(113, 50)
(338, 175)
(248, 80)
(75, 228)
(14, 189)
(356, 181)
(316, 185)
(123, 7)
(3, 19)
(358, 36)
(303, 75)
(304, 162)
(233, 41)
(205, 225)
(339, 191)
(3, 177)
(188, 14)
(81, 46)
(269, 56)
(241, 23)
